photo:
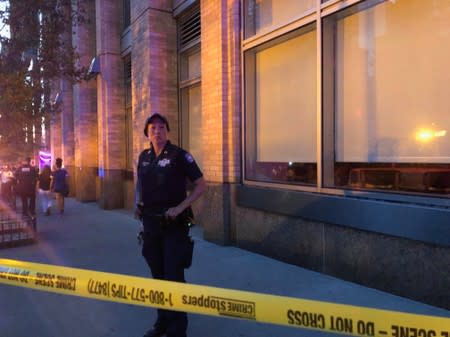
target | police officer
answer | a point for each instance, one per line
(164, 207)
(26, 176)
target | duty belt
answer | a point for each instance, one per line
(183, 218)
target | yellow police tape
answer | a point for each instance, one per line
(294, 312)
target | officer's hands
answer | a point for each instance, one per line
(173, 212)
(138, 212)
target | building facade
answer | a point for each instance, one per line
(322, 127)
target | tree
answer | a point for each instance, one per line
(37, 50)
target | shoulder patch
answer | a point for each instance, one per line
(189, 157)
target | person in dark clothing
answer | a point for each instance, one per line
(163, 204)
(44, 179)
(59, 184)
(26, 176)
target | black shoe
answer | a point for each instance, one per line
(154, 333)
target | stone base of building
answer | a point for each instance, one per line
(404, 267)
(212, 212)
(85, 183)
(111, 189)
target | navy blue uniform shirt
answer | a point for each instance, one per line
(26, 178)
(162, 179)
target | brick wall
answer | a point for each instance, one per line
(221, 116)
(221, 104)
(85, 110)
(55, 124)
(110, 103)
(154, 67)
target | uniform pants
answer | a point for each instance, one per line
(161, 250)
(7, 193)
(28, 203)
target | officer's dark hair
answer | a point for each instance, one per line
(58, 162)
(150, 120)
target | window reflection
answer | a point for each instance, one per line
(303, 173)
(281, 109)
(387, 106)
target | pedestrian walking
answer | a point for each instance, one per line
(7, 182)
(45, 193)
(60, 184)
(26, 176)
(164, 206)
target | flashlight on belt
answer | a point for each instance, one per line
(140, 237)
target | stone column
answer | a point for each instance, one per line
(221, 111)
(65, 107)
(55, 124)
(85, 108)
(110, 104)
(67, 136)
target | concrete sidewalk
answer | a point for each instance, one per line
(90, 238)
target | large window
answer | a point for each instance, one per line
(126, 13)
(191, 108)
(262, 15)
(189, 28)
(383, 118)
(389, 68)
(281, 109)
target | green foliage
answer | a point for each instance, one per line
(37, 51)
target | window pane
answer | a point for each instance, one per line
(391, 78)
(281, 107)
(195, 123)
(194, 66)
(126, 13)
(191, 108)
(263, 14)
(190, 65)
